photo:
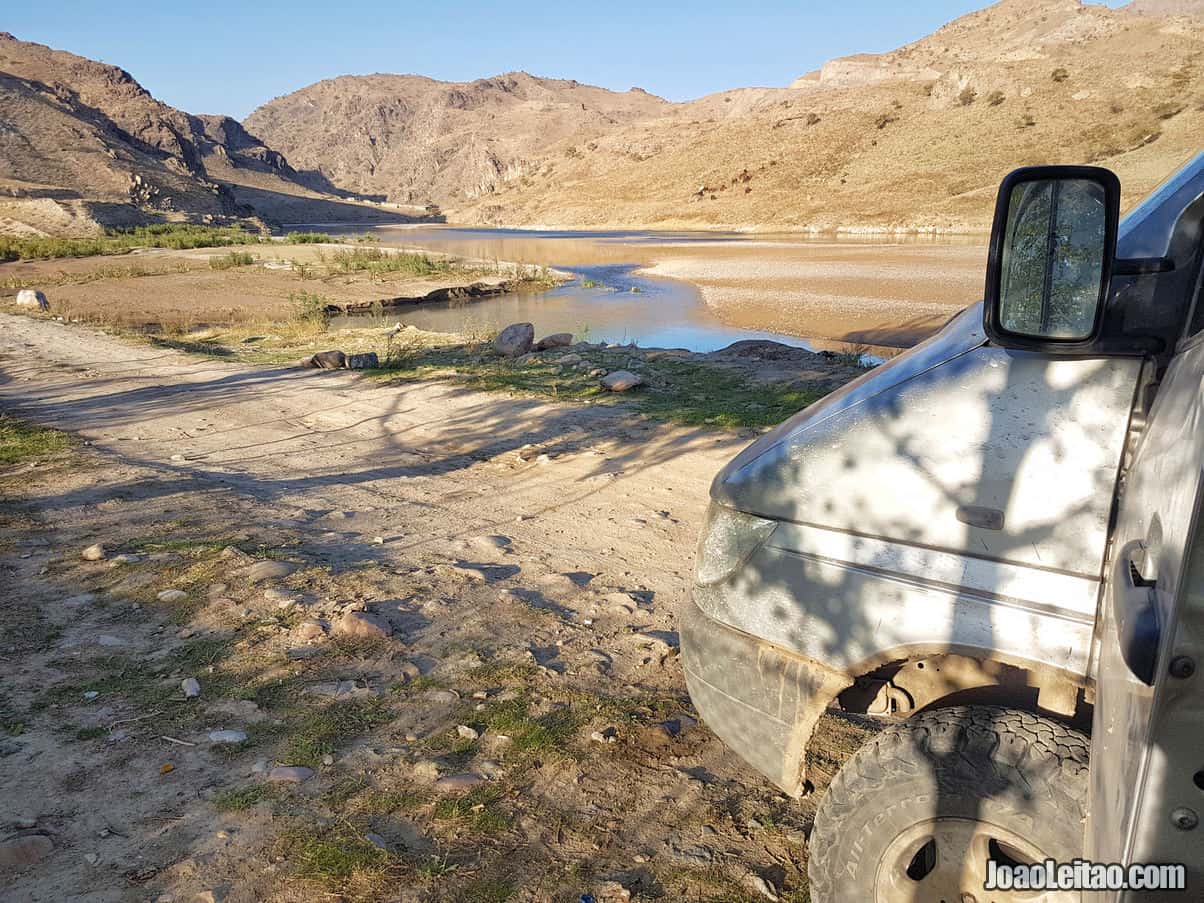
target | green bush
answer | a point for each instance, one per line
(231, 260)
(309, 238)
(311, 309)
(177, 236)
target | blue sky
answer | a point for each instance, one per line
(229, 57)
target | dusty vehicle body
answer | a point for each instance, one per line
(938, 533)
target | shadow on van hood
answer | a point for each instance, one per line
(750, 480)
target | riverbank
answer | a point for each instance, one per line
(166, 291)
(361, 639)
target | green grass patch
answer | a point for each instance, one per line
(335, 853)
(23, 441)
(239, 799)
(550, 733)
(687, 392)
(378, 261)
(231, 260)
(178, 236)
(309, 238)
(321, 731)
(488, 890)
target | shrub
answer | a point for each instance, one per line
(309, 238)
(177, 236)
(311, 310)
(231, 260)
(995, 98)
(967, 96)
(1059, 74)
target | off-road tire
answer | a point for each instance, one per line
(1008, 767)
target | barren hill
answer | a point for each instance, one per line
(914, 138)
(82, 144)
(417, 140)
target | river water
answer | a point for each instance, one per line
(705, 290)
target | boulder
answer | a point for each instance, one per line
(32, 298)
(555, 340)
(326, 360)
(515, 340)
(365, 361)
(621, 381)
(93, 553)
(363, 623)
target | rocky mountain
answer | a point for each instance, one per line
(916, 138)
(417, 140)
(83, 145)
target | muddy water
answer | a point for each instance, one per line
(705, 290)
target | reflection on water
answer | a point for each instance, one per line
(610, 302)
(605, 304)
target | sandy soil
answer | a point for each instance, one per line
(874, 293)
(179, 289)
(518, 551)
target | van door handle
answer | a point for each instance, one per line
(1136, 615)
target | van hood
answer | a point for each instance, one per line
(746, 483)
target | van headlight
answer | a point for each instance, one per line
(728, 540)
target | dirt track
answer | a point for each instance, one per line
(504, 575)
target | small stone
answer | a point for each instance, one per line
(455, 783)
(172, 595)
(33, 299)
(328, 759)
(25, 822)
(515, 340)
(290, 774)
(621, 381)
(310, 630)
(92, 858)
(191, 687)
(124, 558)
(762, 887)
(467, 732)
(90, 694)
(94, 552)
(25, 851)
(110, 641)
(269, 570)
(363, 623)
(227, 736)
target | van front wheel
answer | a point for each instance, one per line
(918, 812)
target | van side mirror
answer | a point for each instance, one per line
(1053, 242)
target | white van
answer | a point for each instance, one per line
(989, 543)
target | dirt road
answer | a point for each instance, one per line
(524, 562)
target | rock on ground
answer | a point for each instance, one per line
(366, 361)
(93, 553)
(621, 381)
(29, 297)
(191, 687)
(326, 360)
(269, 570)
(555, 340)
(227, 736)
(290, 774)
(21, 852)
(363, 623)
(515, 340)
